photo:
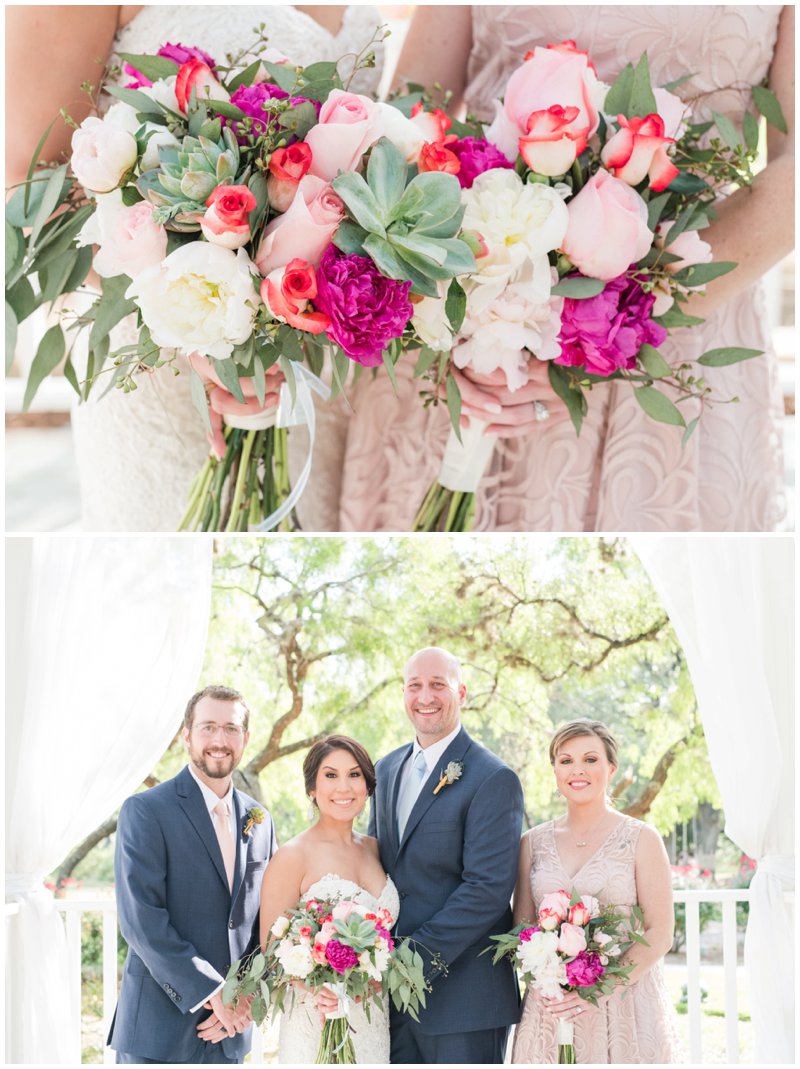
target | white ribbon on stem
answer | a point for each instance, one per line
(288, 413)
(464, 462)
(565, 1033)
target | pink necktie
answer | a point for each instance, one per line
(222, 826)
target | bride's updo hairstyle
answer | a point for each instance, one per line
(320, 750)
(575, 728)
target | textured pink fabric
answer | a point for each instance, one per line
(636, 1025)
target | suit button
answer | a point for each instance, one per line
(402, 894)
(230, 924)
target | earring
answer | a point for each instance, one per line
(312, 809)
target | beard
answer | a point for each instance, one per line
(213, 767)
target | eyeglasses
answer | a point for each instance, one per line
(231, 731)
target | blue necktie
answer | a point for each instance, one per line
(417, 775)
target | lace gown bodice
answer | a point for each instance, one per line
(625, 472)
(637, 1024)
(137, 453)
(300, 1027)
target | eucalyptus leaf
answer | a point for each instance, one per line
(17, 214)
(655, 206)
(389, 365)
(229, 377)
(642, 100)
(11, 336)
(578, 288)
(245, 77)
(653, 362)
(15, 248)
(658, 406)
(675, 317)
(152, 67)
(80, 269)
(690, 429)
(48, 356)
(699, 274)
(727, 131)
(455, 305)
(50, 200)
(140, 102)
(282, 74)
(570, 393)
(454, 405)
(426, 359)
(21, 298)
(199, 398)
(688, 184)
(299, 119)
(751, 132)
(727, 355)
(769, 106)
(112, 307)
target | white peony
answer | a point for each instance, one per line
(540, 949)
(200, 299)
(522, 317)
(280, 927)
(101, 154)
(295, 958)
(431, 323)
(551, 978)
(404, 134)
(374, 971)
(516, 220)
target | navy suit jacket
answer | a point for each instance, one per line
(455, 869)
(183, 925)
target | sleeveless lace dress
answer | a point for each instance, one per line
(137, 453)
(625, 472)
(300, 1027)
(637, 1024)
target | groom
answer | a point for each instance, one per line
(190, 856)
(448, 817)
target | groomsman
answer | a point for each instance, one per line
(448, 817)
(190, 856)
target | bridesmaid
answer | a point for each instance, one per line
(619, 861)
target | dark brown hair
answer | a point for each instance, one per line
(223, 694)
(575, 728)
(320, 750)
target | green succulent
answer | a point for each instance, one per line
(408, 230)
(188, 174)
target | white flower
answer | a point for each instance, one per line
(538, 951)
(157, 137)
(163, 92)
(295, 958)
(522, 317)
(551, 978)
(431, 323)
(101, 154)
(199, 299)
(404, 134)
(673, 111)
(130, 242)
(280, 927)
(592, 904)
(376, 969)
(516, 220)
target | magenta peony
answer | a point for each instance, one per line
(340, 957)
(584, 970)
(527, 934)
(366, 310)
(177, 53)
(476, 155)
(604, 333)
(382, 932)
(250, 99)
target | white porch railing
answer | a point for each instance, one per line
(74, 908)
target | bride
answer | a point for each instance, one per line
(330, 860)
(137, 453)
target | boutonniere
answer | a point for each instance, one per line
(254, 816)
(454, 771)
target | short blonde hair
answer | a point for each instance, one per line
(575, 728)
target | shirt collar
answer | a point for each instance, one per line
(209, 797)
(433, 753)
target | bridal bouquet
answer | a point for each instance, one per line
(341, 945)
(584, 203)
(577, 945)
(253, 219)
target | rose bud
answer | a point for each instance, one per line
(197, 75)
(638, 150)
(286, 167)
(435, 157)
(433, 124)
(286, 293)
(225, 221)
(554, 140)
(101, 154)
(579, 914)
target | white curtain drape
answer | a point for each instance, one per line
(105, 642)
(731, 602)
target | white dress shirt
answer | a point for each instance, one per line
(432, 754)
(211, 800)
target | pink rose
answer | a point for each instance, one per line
(286, 292)
(432, 124)
(607, 229)
(286, 167)
(130, 241)
(692, 250)
(318, 955)
(638, 150)
(579, 914)
(551, 145)
(305, 229)
(225, 222)
(197, 75)
(348, 124)
(436, 157)
(558, 74)
(571, 940)
(558, 902)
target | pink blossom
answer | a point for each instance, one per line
(607, 229)
(340, 957)
(348, 124)
(306, 228)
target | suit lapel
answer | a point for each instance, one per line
(242, 844)
(392, 791)
(454, 752)
(193, 805)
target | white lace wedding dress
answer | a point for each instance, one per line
(300, 1027)
(137, 453)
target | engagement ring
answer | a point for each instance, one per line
(540, 411)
